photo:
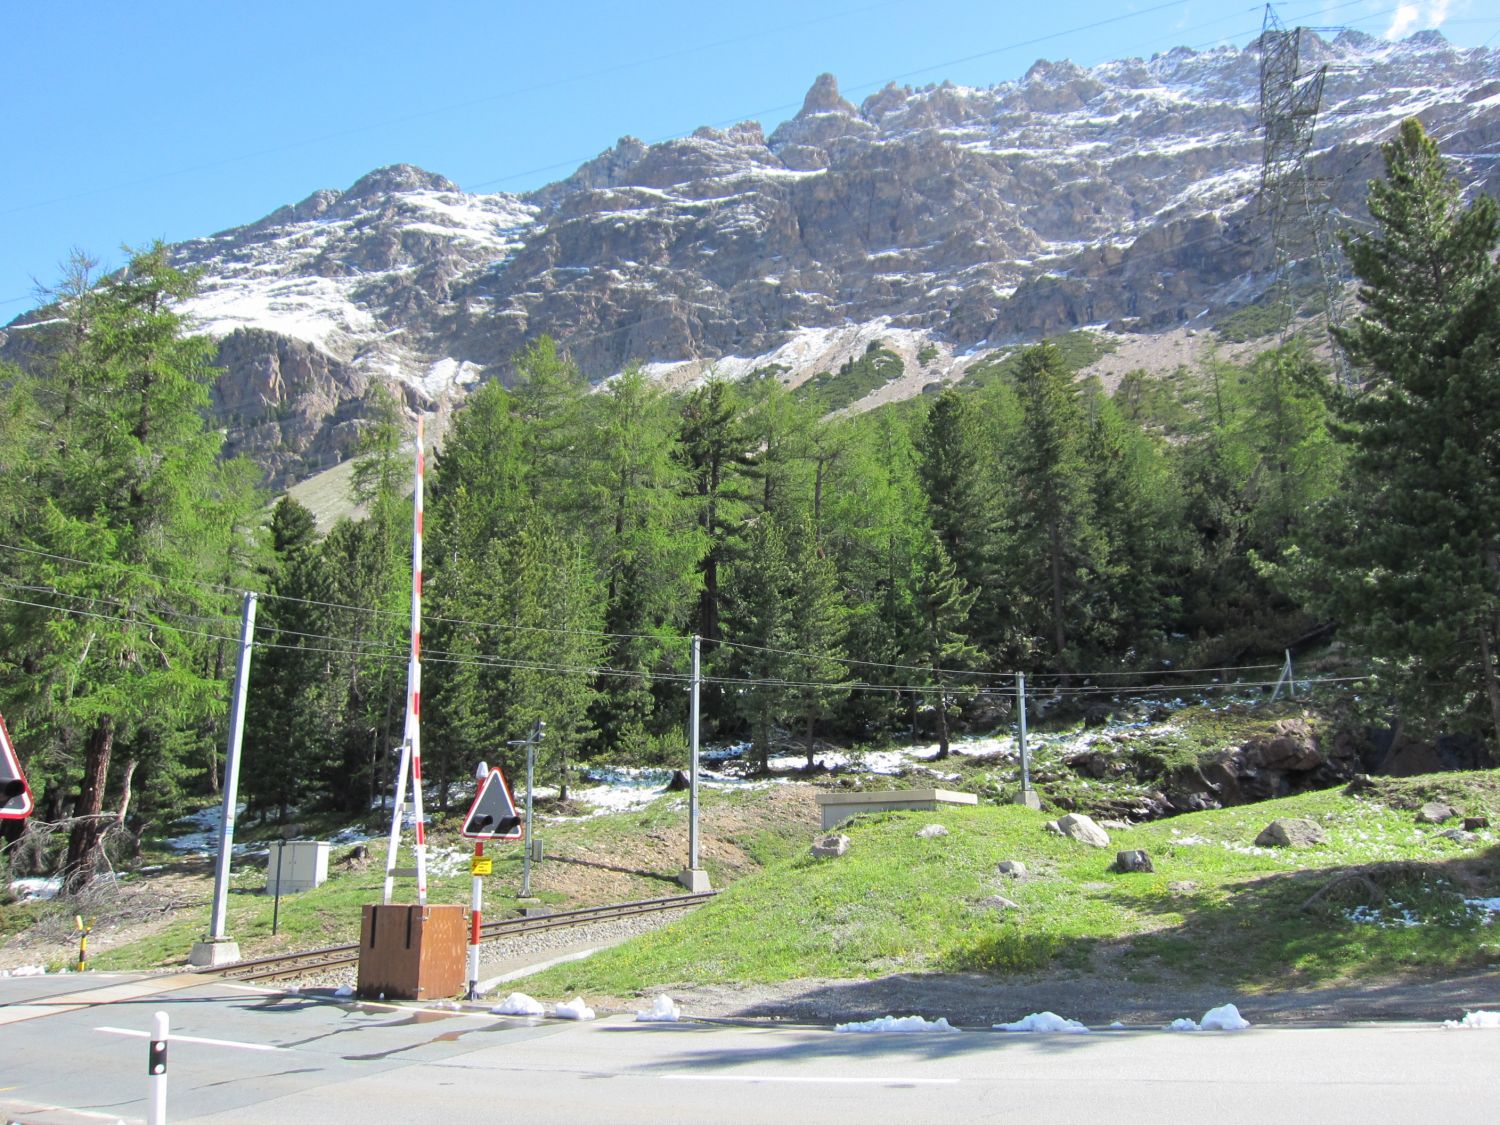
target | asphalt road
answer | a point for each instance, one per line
(73, 1050)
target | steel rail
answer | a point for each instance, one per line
(285, 965)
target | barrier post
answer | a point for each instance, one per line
(156, 1070)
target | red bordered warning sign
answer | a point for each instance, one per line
(15, 795)
(493, 815)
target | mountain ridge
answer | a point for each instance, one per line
(964, 218)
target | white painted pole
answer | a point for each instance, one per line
(393, 844)
(414, 672)
(232, 771)
(156, 1070)
(693, 774)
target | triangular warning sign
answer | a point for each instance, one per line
(15, 796)
(493, 814)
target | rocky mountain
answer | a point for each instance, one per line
(946, 221)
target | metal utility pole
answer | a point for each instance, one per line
(538, 729)
(1290, 100)
(218, 950)
(693, 767)
(1027, 796)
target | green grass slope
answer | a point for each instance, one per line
(1383, 895)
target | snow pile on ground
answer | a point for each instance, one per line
(663, 1010)
(519, 1004)
(1226, 1017)
(34, 888)
(1490, 906)
(25, 971)
(899, 1023)
(1042, 1021)
(344, 990)
(1476, 1019)
(574, 1009)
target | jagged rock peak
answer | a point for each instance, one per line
(824, 97)
(398, 177)
(1045, 70)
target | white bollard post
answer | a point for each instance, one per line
(156, 1069)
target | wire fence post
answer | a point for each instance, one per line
(1285, 678)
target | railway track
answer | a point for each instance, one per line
(338, 956)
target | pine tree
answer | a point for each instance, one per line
(641, 512)
(938, 640)
(718, 451)
(1052, 522)
(1413, 562)
(131, 483)
(817, 624)
(758, 623)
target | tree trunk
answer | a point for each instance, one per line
(86, 832)
(811, 720)
(1054, 539)
(942, 719)
(135, 840)
(1491, 683)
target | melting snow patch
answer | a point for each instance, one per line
(1490, 906)
(25, 971)
(574, 1009)
(1226, 1017)
(898, 1023)
(663, 1010)
(344, 990)
(1475, 1019)
(1042, 1021)
(518, 1004)
(32, 888)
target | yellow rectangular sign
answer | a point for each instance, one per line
(481, 865)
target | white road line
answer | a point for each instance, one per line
(133, 1033)
(32, 1109)
(789, 1078)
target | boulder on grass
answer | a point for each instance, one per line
(1435, 812)
(830, 846)
(1291, 832)
(1134, 860)
(1083, 829)
(1013, 868)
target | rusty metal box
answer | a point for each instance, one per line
(411, 952)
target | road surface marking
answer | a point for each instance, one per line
(791, 1078)
(174, 1038)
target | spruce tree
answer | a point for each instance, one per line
(1412, 564)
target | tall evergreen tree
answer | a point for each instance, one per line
(1056, 538)
(938, 640)
(133, 485)
(1413, 567)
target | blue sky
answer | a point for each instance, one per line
(177, 118)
